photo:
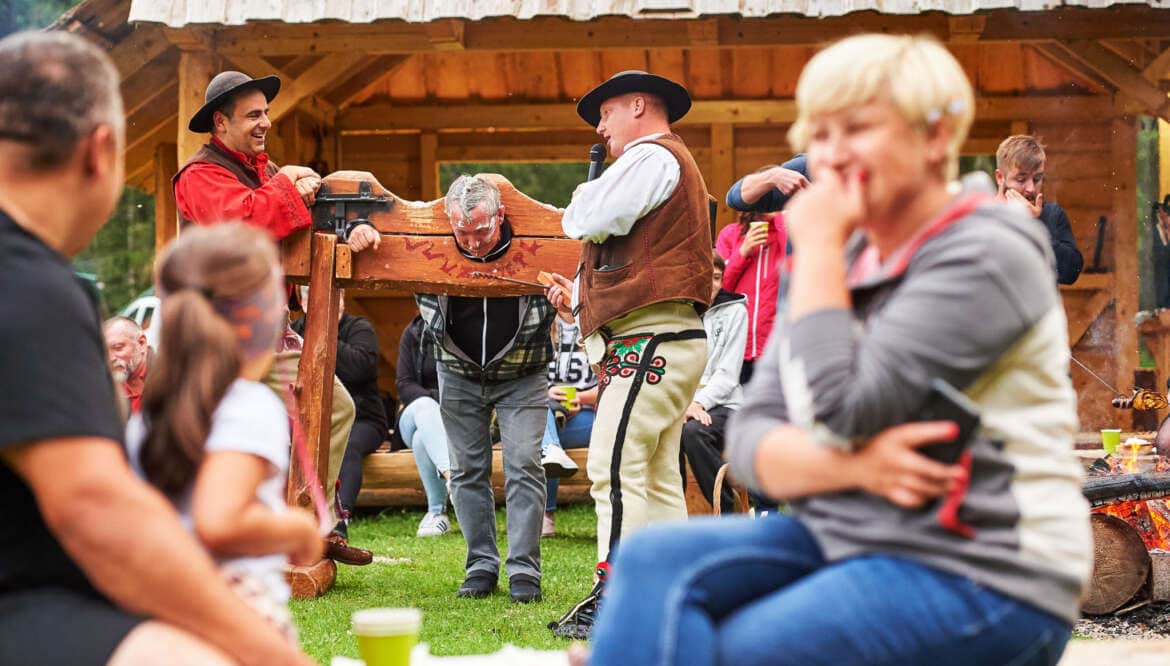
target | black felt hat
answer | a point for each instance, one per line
(221, 88)
(676, 97)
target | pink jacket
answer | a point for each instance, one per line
(757, 277)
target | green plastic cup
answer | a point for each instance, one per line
(1110, 438)
(570, 396)
(385, 636)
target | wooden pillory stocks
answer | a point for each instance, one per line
(417, 255)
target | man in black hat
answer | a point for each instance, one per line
(644, 277)
(231, 179)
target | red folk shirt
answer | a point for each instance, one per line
(207, 194)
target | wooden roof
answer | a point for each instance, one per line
(178, 13)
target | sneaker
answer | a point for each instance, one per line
(557, 464)
(548, 529)
(524, 589)
(477, 585)
(433, 525)
(577, 624)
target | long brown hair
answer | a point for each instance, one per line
(199, 352)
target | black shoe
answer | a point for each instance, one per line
(524, 589)
(477, 586)
(577, 624)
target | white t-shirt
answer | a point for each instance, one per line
(249, 419)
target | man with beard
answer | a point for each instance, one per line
(129, 356)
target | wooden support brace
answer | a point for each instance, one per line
(195, 72)
(166, 217)
(313, 80)
(317, 366)
(1117, 72)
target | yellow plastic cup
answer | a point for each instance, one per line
(752, 226)
(1110, 438)
(570, 396)
(385, 636)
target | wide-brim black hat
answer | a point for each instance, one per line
(676, 97)
(222, 87)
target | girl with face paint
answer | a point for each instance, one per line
(211, 436)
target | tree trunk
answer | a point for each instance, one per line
(1121, 565)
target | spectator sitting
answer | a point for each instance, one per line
(357, 368)
(421, 424)
(130, 357)
(568, 427)
(210, 435)
(719, 394)
(95, 566)
(753, 252)
(890, 555)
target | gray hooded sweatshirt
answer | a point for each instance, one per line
(972, 301)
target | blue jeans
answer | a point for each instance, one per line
(758, 591)
(421, 427)
(575, 435)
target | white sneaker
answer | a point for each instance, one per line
(557, 464)
(548, 528)
(433, 525)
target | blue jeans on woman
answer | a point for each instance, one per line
(575, 435)
(421, 427)
(758, 592)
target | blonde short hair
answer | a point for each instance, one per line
(916, 73)
(1020, 150)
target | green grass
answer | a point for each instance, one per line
(425, 574)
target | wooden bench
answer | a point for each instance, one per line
(390, 478)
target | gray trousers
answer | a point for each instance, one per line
(522, 408)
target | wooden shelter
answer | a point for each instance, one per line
(395, 87)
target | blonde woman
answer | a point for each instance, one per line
(889, 556)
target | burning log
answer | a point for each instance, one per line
(1102, 490)
(1121, 565)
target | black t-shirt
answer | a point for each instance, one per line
(54, 382)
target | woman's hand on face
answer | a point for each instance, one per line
(891, 467)
(755, 237)
(828, 210)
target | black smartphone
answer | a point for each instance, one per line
(947, 403)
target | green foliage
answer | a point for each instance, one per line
(25, 14)
(121, 253)
(550, 182)
(424, 573)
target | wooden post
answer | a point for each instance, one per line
(318, 360)
(1163, 158)
(195, 72)
(166, 216)
(428, 146)
(722, 170)
(1125, 256)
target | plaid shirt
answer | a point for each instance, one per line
(529, 352)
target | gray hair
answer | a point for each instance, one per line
(468, 192)
(55, 88)
(131, 326)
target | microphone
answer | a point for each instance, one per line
(596, 159)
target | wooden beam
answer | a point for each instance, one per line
(311, 82)
(1117, 72)
(1163, 160)
(255, 66)
(315, 373)
(428, 143)
(143, 44)
(393, 117)
(1159, 67)
(195, 72)
(445, 34)
(348, 84)
(721, 170)
(1080, 321)
(505, 34)
(1125, 257)
(166, 217)
(144, 88)
(1059, 57)
(142, 125)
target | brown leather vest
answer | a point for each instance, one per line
(213, 154)
(665, 257)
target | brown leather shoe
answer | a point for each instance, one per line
(337, 548)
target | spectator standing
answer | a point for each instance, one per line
(421, 423)
(1019, 173)
(569, 427)
(753, 250)
(492, 353)
(129, 356)
(76, 587)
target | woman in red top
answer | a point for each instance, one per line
(753, 254)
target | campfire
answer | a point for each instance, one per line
(1131, 529)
